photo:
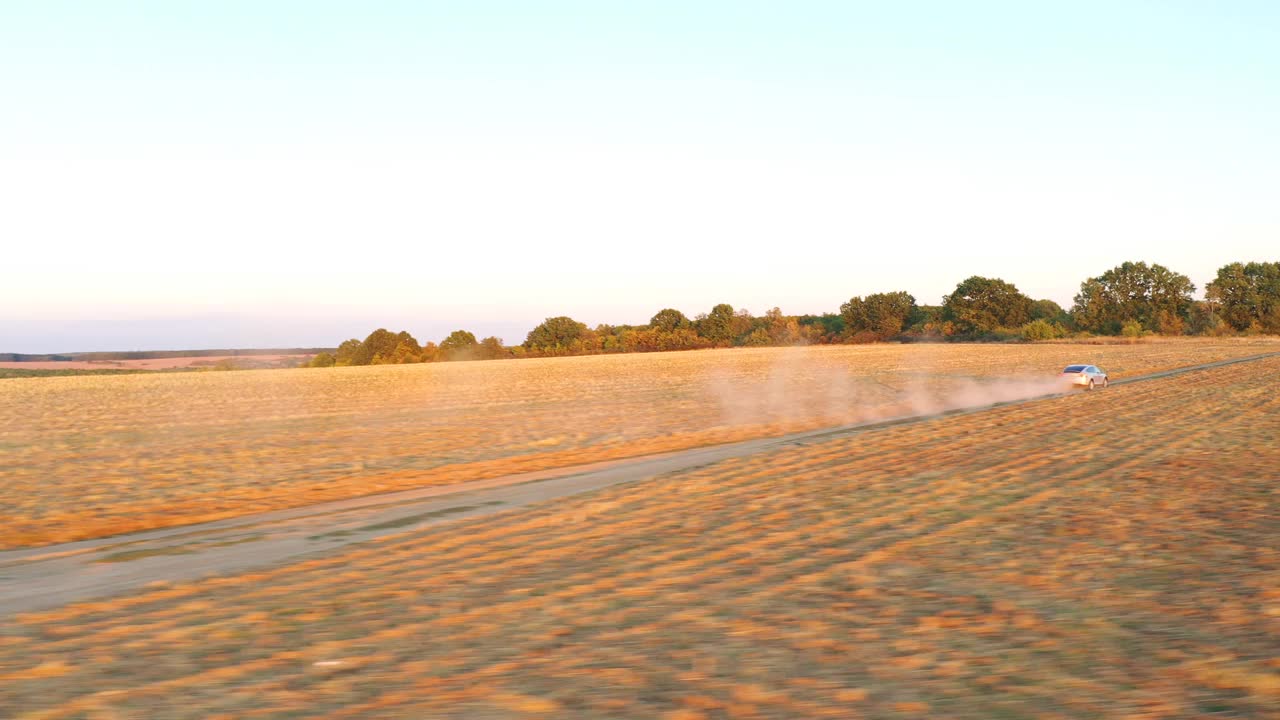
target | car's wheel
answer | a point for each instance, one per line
(1106, 382)
(1090, 384)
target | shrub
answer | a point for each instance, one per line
(862, 337)
(1041, 330)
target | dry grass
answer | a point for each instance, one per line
(1105, 555)
(95, 456)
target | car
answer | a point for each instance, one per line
(1086, 376)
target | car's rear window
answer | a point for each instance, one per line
(1075, 368)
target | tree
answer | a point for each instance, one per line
(380, 348)
(881, 314)
(742, 325)
(1050, 311)
(322, 360)
(643, 339)
(1247, 296)
(1041, 329)
(668, 320)
(825, 328)
(982, 305)
(408, 351)
(717, 326)
(430, 352)
(682, 339)
(380, 343)
(491, 348)
(927, 321)
(460, 345)
(756, 338)
(458, 340)
(1153, 296)
(782, 329)
(346, 352)
(1205, 319)
(556, 336)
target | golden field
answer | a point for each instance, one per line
(85, 457)
(1097, 555)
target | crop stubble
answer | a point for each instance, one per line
(1097, 555)
(87, 457)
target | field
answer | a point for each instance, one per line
(9, 371)
(96, 456)
(33, 368)
(1099, 555)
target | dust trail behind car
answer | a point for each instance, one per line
(795, 389)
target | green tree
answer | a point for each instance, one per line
(381, 343)
(982, 305)
(825, 328)
(346, 352)
(758, 337)
(322, 360)
(718, 325)
(881, 314)
(406, 352)
(668, 319)
(491, 348)
(927, 321)
(460, 345)
(1153, 296)
(556, 336)
(1041, 329)
(1247, 296)
(1050, 311)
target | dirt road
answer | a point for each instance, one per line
(38, 578)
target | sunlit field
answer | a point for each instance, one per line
(91, 456)
(1096, 555)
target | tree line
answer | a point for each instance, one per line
(1132, 299)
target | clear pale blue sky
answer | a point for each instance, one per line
(180, 175)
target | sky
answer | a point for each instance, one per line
(276, 174)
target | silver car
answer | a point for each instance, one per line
(1086, 376)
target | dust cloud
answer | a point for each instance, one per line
(798, 387)
(962, 393)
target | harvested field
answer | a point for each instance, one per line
(163, 363)
(94, 456)
(1107, 555)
